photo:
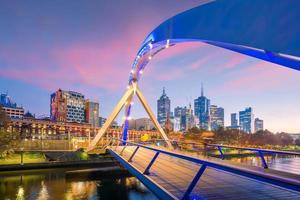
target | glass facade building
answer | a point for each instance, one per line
(92, 113)
(67, 106)
(216, 117)
(234, 121)
(163, 108)
(258, 124)
(202, 111)
(246, 120)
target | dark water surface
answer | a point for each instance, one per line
(289, 164)
(53, 184)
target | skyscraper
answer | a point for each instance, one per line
(216, 117)
(92, 113)
(258, 124)
(201, 105)
(246, 120)
(67, 106)
(234, 121)
(163, 108)
(181, 114)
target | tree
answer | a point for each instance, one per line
(4, 119)
(297, 142)
(6, 138)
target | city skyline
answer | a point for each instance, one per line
(59, 54)
(71, 106)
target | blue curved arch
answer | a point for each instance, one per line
(264, 29)
(268, 30)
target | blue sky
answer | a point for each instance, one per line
(90, 47)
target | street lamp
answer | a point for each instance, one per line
(22, 151)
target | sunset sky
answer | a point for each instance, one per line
(89, 47)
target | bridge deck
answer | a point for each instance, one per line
(175, 175)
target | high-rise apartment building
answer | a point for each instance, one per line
(258, 124)
(246, 120)
(92, 113)
(163, 108)
(67, 106)
(201, 106)
(216, 117)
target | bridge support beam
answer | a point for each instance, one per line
(125, 100)
(194, 182)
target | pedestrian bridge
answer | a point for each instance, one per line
(174, 174)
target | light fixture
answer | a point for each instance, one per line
(141, 72)
(150, 45)
(168, 43)
(149, 57)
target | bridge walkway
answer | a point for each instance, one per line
(174, 175)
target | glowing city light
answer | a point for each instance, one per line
(149, 57)
(141, 72)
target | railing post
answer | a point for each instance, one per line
(147, 170)
(264, 163)
(194, 182)
(117, 144)
(136, 149)
(221, 152)
(121, 153)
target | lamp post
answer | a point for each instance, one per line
(22, 151)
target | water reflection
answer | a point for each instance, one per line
(54, 185)
(282, 163)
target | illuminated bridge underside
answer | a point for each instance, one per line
(267, 30)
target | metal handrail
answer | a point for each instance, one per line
(257, 175)
(259, 151)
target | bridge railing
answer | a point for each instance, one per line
(261, 153)
(257, 175)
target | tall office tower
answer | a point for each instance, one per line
(258, 124)
(216, 117)
(180, 114)
(234, 121)
(11, 108)
(67, 106)
(246, 120)
(163, 108)
(190, 118)
(92, 113)
(176, 124)
(201, 105)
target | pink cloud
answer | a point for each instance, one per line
(261, 76)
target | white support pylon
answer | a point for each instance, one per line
(111, 118)
(132, 90)
(151, 115)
